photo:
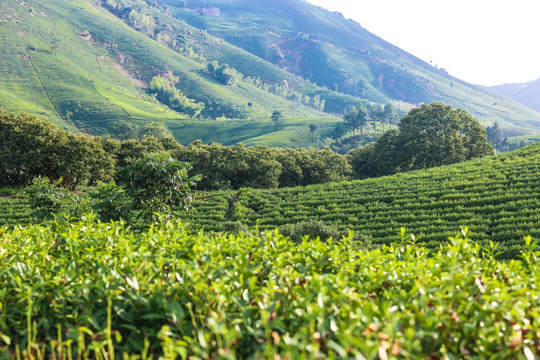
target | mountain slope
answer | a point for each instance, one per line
(527, 94)
(79, 65)
(87, 64)
(338, 53)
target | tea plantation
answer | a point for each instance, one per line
(104, 290)
(497, 197)
(101, 291)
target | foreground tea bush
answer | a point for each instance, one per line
(99, 290)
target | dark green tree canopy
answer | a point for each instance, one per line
(428, 136)
(156, 129)
(30, 147)
(276, 118)
(437, 134)
(156, 182)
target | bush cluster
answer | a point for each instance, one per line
(148, 186)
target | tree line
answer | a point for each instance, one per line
(30, 147)
(431, 135)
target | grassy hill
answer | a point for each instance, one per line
(497, 197)
(84, 68)
(88, 64)
(338, 53)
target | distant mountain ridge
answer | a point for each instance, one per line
(527, 93)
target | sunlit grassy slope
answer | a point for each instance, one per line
(82, 67)
(338, 53)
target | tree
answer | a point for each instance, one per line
(376, 114)
(437, 134)
(30, 147)
(164, 89)
(156, 129)
(357, 118)
(312, 129)
(86, 162)
(123, 130)
(428, 136)
(156, 182)
(495, 136)
(276, 118)
(390, 114)
(223, 73)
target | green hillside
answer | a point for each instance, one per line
(79, 65)
(88, 64)
(338, 53)
(497, 197)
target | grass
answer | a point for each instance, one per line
(292, 133)
(69, 71)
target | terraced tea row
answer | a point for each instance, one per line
(497, 197)
(14, 209)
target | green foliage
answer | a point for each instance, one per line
(155, 183)
(261, 167)
(33, 148)
(111, 202)
(166, 92)
(431, 135)
(30, 147)
(497, 197)
(437, 134)
(51, 200)
(223, 73)
(495, 136)
(84, 290)
(276, 118)
(157, 130)
(356, 118)
(123, 130)
(317, 229)
(86, 160)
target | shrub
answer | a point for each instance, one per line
(155, 183)
(51, 200)
(316, 229)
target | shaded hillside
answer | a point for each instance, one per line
(527, 94)
(339, 54)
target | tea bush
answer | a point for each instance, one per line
(96, 290)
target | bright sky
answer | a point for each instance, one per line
(486, 42)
